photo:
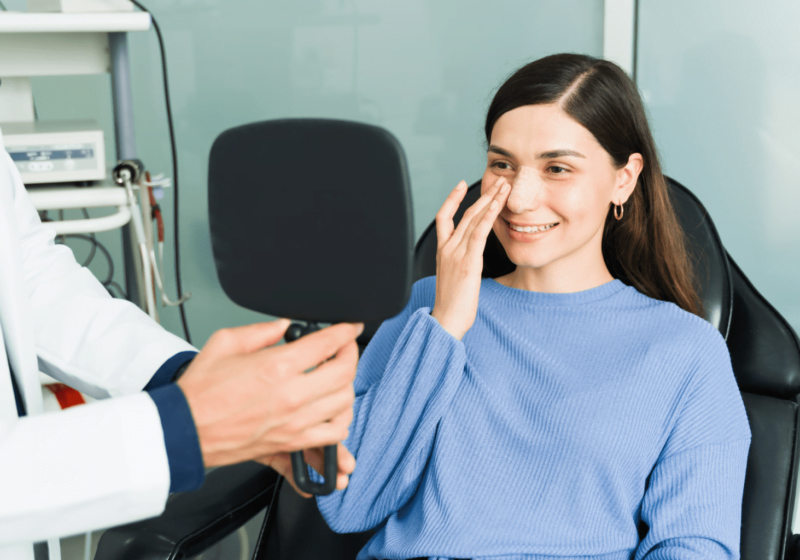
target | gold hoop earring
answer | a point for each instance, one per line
(621, 211)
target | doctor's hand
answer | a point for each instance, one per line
(252, 400)
(459, 256)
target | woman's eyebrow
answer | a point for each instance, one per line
(544, 155)
(501, 151)
(559, 153)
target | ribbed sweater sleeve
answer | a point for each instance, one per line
(395, 418)
(693, 504)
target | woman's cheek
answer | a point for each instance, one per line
(570, 203)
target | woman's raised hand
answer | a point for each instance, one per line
(459, 256)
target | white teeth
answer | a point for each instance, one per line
(531, 229)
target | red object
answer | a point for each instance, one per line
(156, 210)
(66, 396)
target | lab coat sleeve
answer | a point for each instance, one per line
(85, 338)
(91, 466)
(186, 466)
(170, 370)
(83, 468)
(396, 417)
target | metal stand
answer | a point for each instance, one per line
(122, 97)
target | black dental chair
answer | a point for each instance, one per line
(766, 360)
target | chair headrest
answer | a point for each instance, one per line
(311, 219)
(708, 257)
(765, 350)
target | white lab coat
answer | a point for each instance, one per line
(91, 466)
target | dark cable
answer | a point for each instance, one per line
(110, 276)
(122, 293)
(174, 166)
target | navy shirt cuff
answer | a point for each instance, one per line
(166, 373)
(186, 468)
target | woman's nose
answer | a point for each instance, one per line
(524, 191)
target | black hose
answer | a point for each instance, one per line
(174, 167)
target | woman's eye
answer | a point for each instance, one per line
(502, 166)
(557, 170)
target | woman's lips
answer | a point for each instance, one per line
(529, 233)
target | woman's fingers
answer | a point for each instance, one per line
(444, 218)
(476, 209)
(482, 223)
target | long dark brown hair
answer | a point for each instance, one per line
(647, 248)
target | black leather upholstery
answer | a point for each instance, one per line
(705, 248)
(194, 521)
(298, 532)
(771, 477)
(764, 348)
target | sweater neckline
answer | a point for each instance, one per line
(516, 295)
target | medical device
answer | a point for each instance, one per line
(56, 151)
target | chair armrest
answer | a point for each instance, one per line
(195, 521)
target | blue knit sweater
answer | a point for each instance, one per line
(560, 427)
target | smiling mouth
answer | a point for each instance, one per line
(530, 229)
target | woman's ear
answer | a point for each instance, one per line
(627, 177)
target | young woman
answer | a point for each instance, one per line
(577, 406)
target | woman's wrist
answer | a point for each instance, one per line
(455, 333)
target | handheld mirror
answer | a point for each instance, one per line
(311, 219)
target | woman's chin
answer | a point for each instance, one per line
(527, 260)
(526, 253)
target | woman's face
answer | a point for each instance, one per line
(562, 183)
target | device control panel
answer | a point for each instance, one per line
(56, 151)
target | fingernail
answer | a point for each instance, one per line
(461, 184)
(504, 188)
(493, 205)
(360, 328)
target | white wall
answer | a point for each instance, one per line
(721, 79)
(424, 69)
